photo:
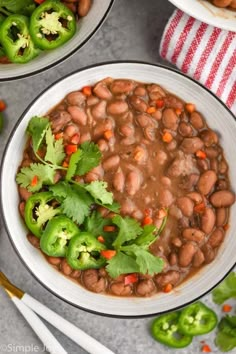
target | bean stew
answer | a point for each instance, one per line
(125, 188)
(231, 4)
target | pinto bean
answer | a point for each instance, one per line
(175, 212)
(70, 130)
(21, 208)
(166, 181)
(165, 198)
(95, 174)
(208, 252)
(56, 261)
(161, 157)
(206, 182)
(92, 100)
(173, 259)
(176, 241)
(145, 287)
(75, 274)
(196, 197)
(133, 182)
(203, 165)
(120, 289)
(111, 162)
(140, 91)
(85, 137)
(170, 277)
(222, 184)
(223, 198)
(102, 91)
(191, 145)
(138, 103)
(170, 119)
(188, 182)
(35, 241)
(196, 120)
(122, 86)
(65, 268)
(127, 129)
(223, 167)
(221, 216)
(192, 234)
(172, 145)
(211, 152)
(101, 127)
(127, 207)
(222, 3)
(209, 137)
(92, 281)
(186, 254)
(119, 181)
(143, 120)
(186, 205)
(157, 115)
(156, 89)
(102, 145)
(60, 120)
(214, 165)
(24, 193)
(84, 7)
(216, 237)
(117, 107)
(99, 110)
(208, 220)
(76, 98)
(185, 129)
(137, 214)
(198, 259)
(78, 115)
(128, 141)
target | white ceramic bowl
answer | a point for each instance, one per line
(206, 12)
(218, 117)
(86, 28)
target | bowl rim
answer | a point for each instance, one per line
(66, 56)
(198, 297)
(209, 20)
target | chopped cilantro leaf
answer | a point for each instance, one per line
(121, 264)
(37, 128)
(75, 157)
(99, 192)
(148, 236)
(44, 174)
(226, 289)
(226, 336)
(75, 201)
(89, 159)
(55, 148)
(129, 229)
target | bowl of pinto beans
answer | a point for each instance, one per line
(117, 189)
(35, 35)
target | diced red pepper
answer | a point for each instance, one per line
(34, 181)
(147, 221)
(199, 208)
(167, 288)
(70, 149)
(206, 349)
(2, 106)
(58, 136)
(109, 228)
(226, 308)
(160, 103)
(87, 90)
(108, 254)
(65, 164)
(131, 278)
(226, 227)
(108, 134)
(178, 111)
(151, 110)
(39, 1)
(101, 239)
(190, 107)
(201, 154)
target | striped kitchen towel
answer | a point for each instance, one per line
(205, 53)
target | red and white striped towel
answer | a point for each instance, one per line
(205, 53)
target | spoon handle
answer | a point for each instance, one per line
(47, 338)
(81, 338)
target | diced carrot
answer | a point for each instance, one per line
(160, 103)
(87, 90)
(2, 106)
(167, 137)
(131, 278)
(178, 111)
(108, 254)
(75, 139)
(108, 134)
(65, 164)
(151, 110)
(190, 107)
(148, 212)
(58, 136)
(199, 208)
(34, 181)
(226, 227)
(167, 288)
(147, 221)
(161, 213)
(109, 228)
(70, 149)
(206, 349)
(101, 239)
(39, 1)
(201, 154)
(226, 308)
(139, 154)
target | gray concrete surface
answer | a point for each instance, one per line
(132, 31)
